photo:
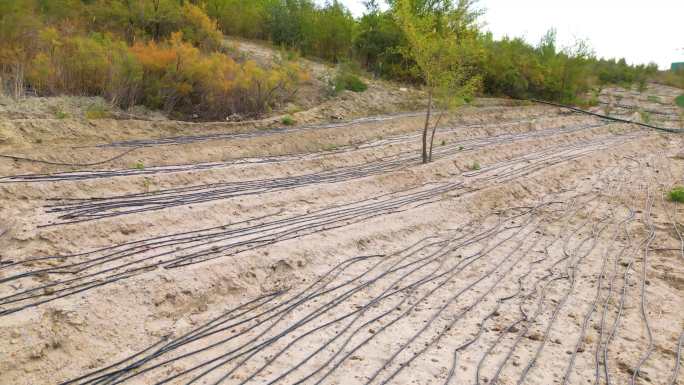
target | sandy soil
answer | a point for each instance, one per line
(539, 247)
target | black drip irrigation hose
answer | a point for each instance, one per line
(575, 109)
(24, 159)
(80, 210)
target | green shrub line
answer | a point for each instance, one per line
(172, 56)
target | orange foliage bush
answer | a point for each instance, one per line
(178, 77)
(50, 51)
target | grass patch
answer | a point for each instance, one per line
(59, 113)
(679, 100)
(654, 99)
(346, 78)
(677, 194)
(645, 117)
(97, 111)
(139, 165)
(475, 166)
(288, 120)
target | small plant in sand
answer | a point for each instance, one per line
(654, 99)
(460, 148)
(59, 113)
(475, 166)
(147, 183)
(330, 147)
(645, 116)
(607, 109)
(677, 194)
(288, 120)
(443, 142)
(139, 165)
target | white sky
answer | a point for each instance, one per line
(640, 31)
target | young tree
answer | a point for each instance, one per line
(440, 39)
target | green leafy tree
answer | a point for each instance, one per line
(438, 41)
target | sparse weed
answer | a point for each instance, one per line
(330, 147)
(139, 165)
(460, 148)
(654, 99)
(59, 113)
(645, 116)
(147, 183)
(443, 142)
(677, 194)
(475, 166)
(288, 120)
(607, 109)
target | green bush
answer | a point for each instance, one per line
(680, 100)
(350, 82)
(677, 194)
(97, 111)
(288, 120)
(347, 79)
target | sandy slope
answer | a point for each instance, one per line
(537, 248)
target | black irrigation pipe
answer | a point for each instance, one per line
(678, 357)
(133, 367)
(376, 319)
(422, 281)
(203, 245)
(396, 139)
(142, 360)
(571, 211)
(570, 273)
(262, 235)
(207, 327)
(460, 315)
(307, 319)
(264, 321)
(271, 131)
(79, 210)
(637, 108)
(253, 134)
(620, 310)
(648, 221)
(671, 130)
(54, 163)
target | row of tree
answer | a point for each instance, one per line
(378, 42)
(86, 46)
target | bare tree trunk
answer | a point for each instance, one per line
(427, 125)
(432, 137)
